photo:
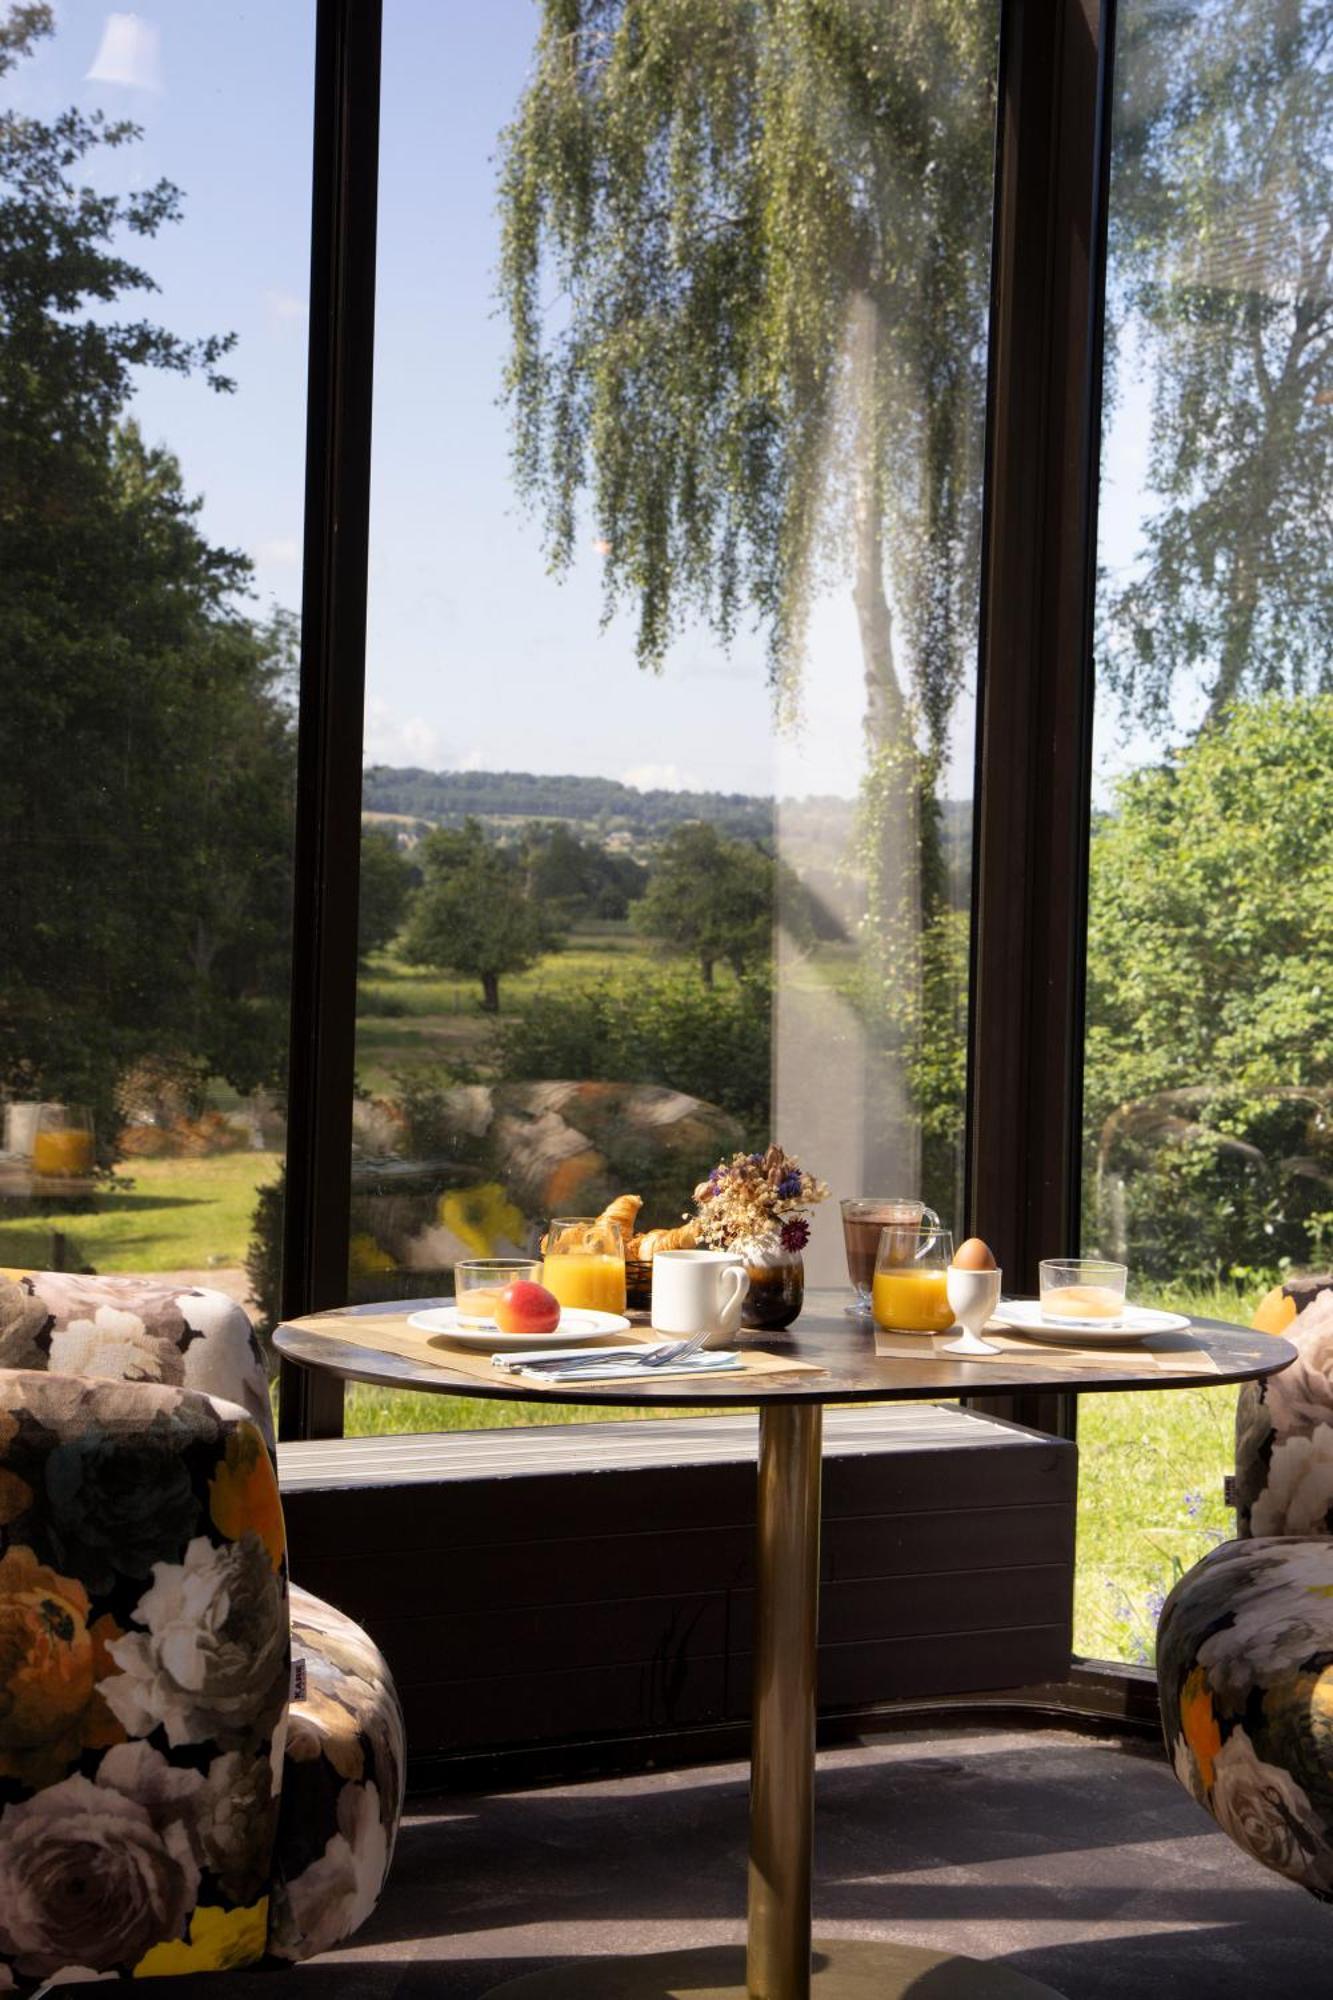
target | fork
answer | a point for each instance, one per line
(679, 1350)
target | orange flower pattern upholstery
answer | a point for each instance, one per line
(166, 1805)
(1245, 1642)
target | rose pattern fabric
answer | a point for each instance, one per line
(166, 1807)
(342, 1789)
(136, 1330)
(1245, 1643)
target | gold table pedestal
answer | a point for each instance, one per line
(780, 1962)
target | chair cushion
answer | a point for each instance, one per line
(1245, 1670)
(342, 1788)
(135, 1329)
(1284, 1425)
(144, 1672)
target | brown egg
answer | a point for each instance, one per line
(974, 1255)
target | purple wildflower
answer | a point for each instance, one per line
(1194, 1505)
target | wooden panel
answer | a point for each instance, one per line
(539, 1586)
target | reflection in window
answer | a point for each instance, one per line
(1210, 1037)
(673, 612)
(149, 533)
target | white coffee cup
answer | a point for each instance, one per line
(698, 1291)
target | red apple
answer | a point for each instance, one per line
(526, 1308)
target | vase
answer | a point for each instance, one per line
(777, 1286)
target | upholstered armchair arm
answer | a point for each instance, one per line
(1284, 1425)
(144, 1678)
(136, 1329)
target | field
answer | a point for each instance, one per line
(1151, 1465)
(410, 1020)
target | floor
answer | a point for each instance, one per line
(1077, 1861)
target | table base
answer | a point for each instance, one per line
(846, 1969)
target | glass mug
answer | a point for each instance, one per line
(584, 1263)
(910, 1291)
(863, 1221)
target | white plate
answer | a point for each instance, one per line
(1136, 1322)
(575, 1325)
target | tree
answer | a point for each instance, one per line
(1222, 270)
(145, 813)
(713, 898)
(745, 265)
(386, 884)
(471, 915)
(572, 878)
(1211, 913)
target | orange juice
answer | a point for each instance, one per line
(912, 1301)
(63, 1152)
(478, 1303)
(589, 1280)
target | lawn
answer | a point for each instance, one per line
(173, 1215)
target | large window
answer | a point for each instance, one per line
(673, 615)
(154, 177)
(1208, 1162)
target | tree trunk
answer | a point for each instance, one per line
(706, 970)
(490, 992)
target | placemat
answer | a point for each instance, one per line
(391, 1333)
(1158, 1353)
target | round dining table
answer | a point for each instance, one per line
(781, 1960)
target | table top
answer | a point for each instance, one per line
(841, 1345)
(18, 1182)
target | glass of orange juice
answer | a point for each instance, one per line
(584, 1263)
(909, 1292)
(62, 1145)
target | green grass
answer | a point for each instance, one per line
(1140, 1456)
(179, 1215)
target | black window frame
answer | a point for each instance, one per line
(1035, 678)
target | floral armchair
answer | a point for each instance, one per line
(200, 1766)
(1245, 1643)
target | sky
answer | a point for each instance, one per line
(477, 657)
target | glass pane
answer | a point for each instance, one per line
(670, 721)
(152, 382)
(1208, 1162)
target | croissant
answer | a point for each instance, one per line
(683, 1238)
(624, 1210)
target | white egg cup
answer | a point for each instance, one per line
(973, 1297)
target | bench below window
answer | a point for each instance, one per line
(591, 1584)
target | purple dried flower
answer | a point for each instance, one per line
(789, 1187)
(794, 1235)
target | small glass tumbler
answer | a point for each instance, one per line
(478, 1282)
(1082, 1291)
(62, 1146)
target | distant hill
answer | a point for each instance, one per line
(624, 819)
(600, 805)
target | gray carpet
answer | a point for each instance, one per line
(1079, 1862)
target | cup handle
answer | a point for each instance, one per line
(735, 1284)
(929, 1220)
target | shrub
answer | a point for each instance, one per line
(711, 1042)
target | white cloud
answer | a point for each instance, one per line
(473, 760)
(389, 738)
(130, 52)
(660, 778)
(283, 552)
(285, 306)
